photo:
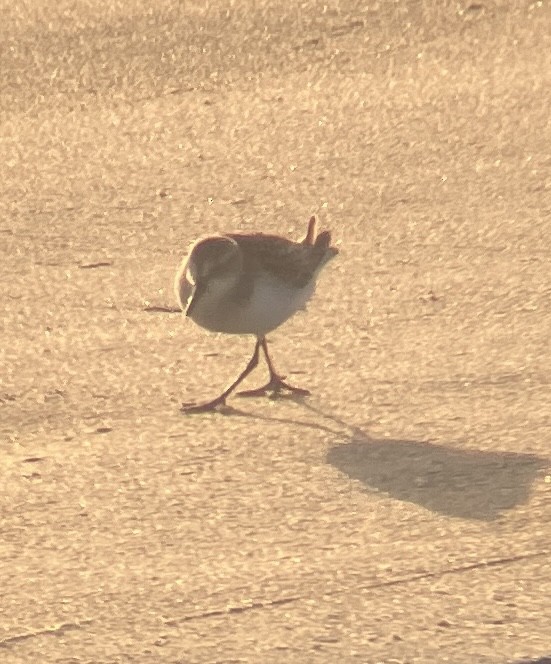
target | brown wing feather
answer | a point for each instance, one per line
(292, 262)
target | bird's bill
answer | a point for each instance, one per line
(193, 300)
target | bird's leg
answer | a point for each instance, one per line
(276, 383)
(221, 400)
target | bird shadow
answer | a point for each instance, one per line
(463, 483)
(454, 481)
(467, 484)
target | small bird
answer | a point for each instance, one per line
(250, 283)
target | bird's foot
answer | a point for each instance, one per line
(274, 387)
(216, 405)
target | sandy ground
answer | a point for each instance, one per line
(402, 513)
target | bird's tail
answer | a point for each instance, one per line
(321, 244)
(322, 241)
(311, 232)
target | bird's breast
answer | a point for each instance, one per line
(270, 304)
(267, 305)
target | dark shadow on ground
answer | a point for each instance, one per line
(468, 484)
(462, 483)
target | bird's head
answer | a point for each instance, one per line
(212, 258)
(211, 263)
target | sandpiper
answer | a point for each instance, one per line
(250, 283)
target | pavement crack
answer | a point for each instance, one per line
(61, 628)
(460, 569)
(254, 605)
(229, 610)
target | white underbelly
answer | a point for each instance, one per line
(271, 304)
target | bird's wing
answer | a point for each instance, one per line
(293, 263)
